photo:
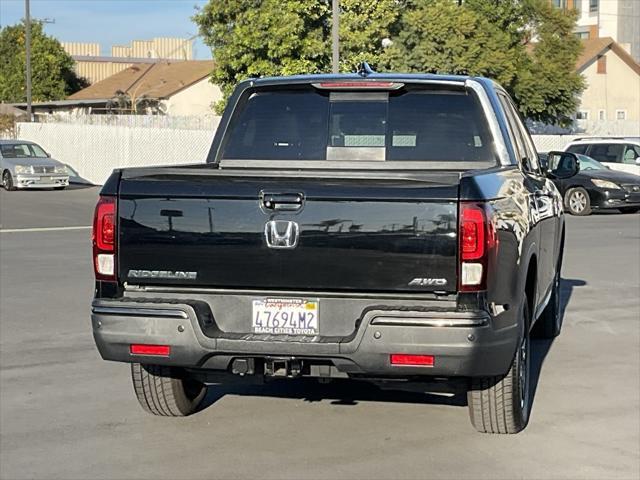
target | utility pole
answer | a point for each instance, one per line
(335, 36)
(27, 21)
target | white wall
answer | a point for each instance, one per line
(95, 150)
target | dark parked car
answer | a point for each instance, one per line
(596, 187)
(383, 227)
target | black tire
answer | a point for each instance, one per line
(549, 324)
(164, 391)
(501, 404)
(577, 201)
(629, 210)
(7, 181)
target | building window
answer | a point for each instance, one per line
(602, 115)
(582, 115)
(560, 3)
(602, 64)
(582, 35)
(621, 114)
(593, 6)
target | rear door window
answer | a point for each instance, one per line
(524, 150)
(631, 153)
(607, 152)
(580, 148)
(413, 124)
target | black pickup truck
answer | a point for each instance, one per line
(385, 227)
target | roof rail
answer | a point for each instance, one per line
(599, 137)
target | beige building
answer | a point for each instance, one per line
(91, 65)
(612, 79)
(618, 19)
(165, 48)
(176, 87)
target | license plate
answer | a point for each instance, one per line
(285, 316)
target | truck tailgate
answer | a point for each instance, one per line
(266, 231)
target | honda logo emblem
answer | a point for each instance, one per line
(281, 234)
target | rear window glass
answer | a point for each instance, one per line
(406, 125)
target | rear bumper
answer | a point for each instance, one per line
(464, 344)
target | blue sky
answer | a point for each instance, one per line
(111, 22)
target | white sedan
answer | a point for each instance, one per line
(26, 165)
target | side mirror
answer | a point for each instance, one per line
(48, 155)
(638, 161)
(562, 165)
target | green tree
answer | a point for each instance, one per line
(252, 38)
(495, 38)
(363, 26)
(264, 37)
(492, 38)
(441, 37)
(52, 72)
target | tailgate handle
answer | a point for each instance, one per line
(282, 201)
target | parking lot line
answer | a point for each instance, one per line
(44, 229)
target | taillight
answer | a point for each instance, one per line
(104, 239)
(477, 239)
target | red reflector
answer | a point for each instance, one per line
(407, 359)
(157, 350)
(472, 228)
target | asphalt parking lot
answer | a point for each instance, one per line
(65, 413)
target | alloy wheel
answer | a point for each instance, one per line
(578, 201)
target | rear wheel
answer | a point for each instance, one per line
(577, 201)
(165, 391)
(501, 404)
(629, 210)
(7, 181)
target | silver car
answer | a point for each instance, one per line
(26, 165)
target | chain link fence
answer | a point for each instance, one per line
(94, 150)
(209, 122)
(547, 143)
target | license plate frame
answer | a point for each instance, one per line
(285, 316)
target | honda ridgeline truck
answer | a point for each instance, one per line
(386, 227)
